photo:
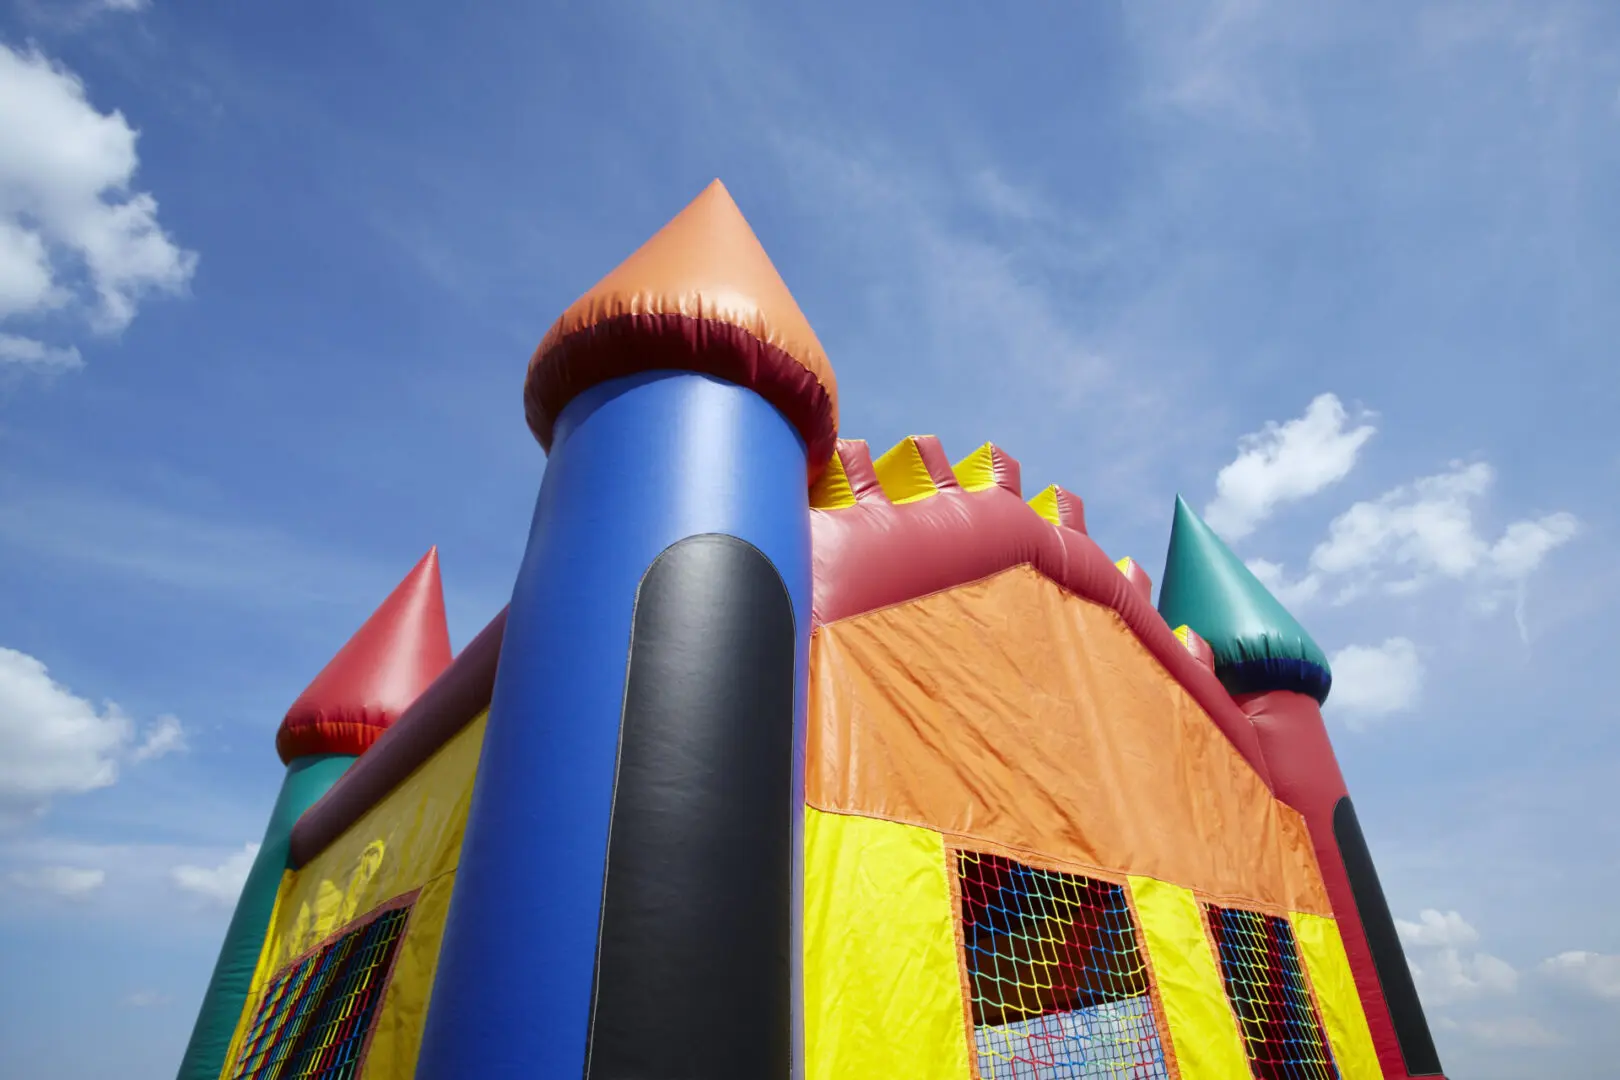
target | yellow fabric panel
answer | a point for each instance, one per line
(977, 471)
(409, 841)
(1046, 504)
(882, 984)
(398, 1030)
(1203, 1029)
(903, 474)
(831, 491)
(1329, 971)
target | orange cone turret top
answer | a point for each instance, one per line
(388, 662)
(700, 296)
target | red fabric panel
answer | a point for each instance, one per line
(434, 718)
(1139, 579)
(1305, 775)
(875, 553)
(1199, 649)
(1071, 509)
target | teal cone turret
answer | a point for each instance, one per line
(388, 662)
(1258, 645)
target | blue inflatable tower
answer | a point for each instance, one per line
(628, 895)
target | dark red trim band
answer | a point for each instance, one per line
(632, 344)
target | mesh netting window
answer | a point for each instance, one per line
(1266, 984)
(1059, 983)
(314, 1017)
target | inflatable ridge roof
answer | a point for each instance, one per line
(910, 524)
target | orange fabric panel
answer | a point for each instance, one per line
(1012, 711)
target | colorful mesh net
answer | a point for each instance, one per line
(312, 1021)
(1266, 984)
(1060, 988)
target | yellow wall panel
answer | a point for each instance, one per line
(882, 984)
(1329, 971)
(1203, 1030)
(410, 841)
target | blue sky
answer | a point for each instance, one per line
(270, 275)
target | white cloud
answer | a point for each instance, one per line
(166, 736)
(1371, 681)
(1594, 973)
(68, 882)
(53, 742)
(31, 353)
(1284, 463)
(73, 232)
(218, 885)
(1444, 976)
(1436, 929)
(1443, 964)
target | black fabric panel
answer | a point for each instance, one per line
(693, 974)
(1400, 993)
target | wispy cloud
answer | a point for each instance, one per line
(139, 884)
(1415, 536)
(25, 352)
(1371, 682)
(201, 553)
(218, 885)
(166, 736)
(1230, 62)
(65, 882)
(145, 999)
(1511, 1031)
(1595, 973)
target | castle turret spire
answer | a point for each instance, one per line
(384, 667)
(1258, 645)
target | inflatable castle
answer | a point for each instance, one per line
(786, 762)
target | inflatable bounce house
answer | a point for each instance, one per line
(785, 761)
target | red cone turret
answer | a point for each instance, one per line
(387, 663)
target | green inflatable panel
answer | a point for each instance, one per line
(307, 780)
(1258, 645)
